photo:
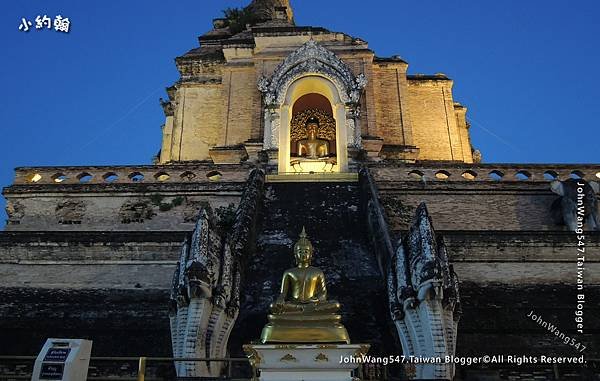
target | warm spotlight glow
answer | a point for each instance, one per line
(214, 175)
(442, 175)
(59, 178)
(34, 178)
(469, 175)
(163, 177)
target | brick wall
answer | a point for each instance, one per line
(387, 103)
(165, 198)
(240, 100)
(198, 122)
(434, 130)
(228, 109)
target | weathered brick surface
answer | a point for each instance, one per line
(481, 203)
(116, 212)
(388, 104)
(192, 173)
(331, 215)
(435, 129)
(88, 275)
(477, 210)
(197, 125)
(19, 247)
(495, 321)
(240, 99)
(464, 135)
(502, 274)
(120, 322)
(225, 107)
(167, 198)
(518, 246)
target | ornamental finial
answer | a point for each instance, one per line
(303, 241)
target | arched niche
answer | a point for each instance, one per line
(297, 92)
(312, 101)
(312, 69)
(310, 109)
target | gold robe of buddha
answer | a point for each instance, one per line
(301, 313)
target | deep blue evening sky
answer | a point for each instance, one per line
(527, 71)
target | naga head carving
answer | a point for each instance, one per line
(578, 198)
(420, 269)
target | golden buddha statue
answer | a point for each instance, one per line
(313, 147)
(301, 313)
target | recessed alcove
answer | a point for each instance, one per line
(110, 177)
(312, 135)
(312, 101)
(312, 119)
(312, 79)
(33, 177)
(469, 175)
(522, 175)
(550, 175)
(496, 175)
(162, 176)
(415, 174)
(442, 175)
(136, 177)
(84, 177)
(59, 178)
(577, 175)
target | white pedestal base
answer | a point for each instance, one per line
(297, 362)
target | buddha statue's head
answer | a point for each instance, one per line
(303, 250)
(312, 127)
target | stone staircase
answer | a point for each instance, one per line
(334, 222)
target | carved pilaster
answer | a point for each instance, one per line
(275, 126)
(353, 126)
(272, 125)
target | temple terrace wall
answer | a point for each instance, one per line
(510, 197)
(475, 196)
(127, 198)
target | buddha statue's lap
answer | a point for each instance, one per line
(301, 312)
(297, 310)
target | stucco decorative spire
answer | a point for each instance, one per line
(270, 10)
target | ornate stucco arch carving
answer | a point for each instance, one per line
(311, 60)
(314, 59)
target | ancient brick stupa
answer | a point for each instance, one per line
(272, 126)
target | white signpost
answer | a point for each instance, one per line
(63, 359)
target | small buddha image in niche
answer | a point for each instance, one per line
(313, 147)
